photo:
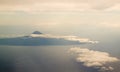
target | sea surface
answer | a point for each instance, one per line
(50, 58)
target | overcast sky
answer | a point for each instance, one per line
(82, 17)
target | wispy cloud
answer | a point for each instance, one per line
(91, 58)
(114, 25)
(11, 35)
(57, 5)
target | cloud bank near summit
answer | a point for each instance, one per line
(70, 38)
(91, 58)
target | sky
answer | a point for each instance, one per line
(89, 18)
(94, 19)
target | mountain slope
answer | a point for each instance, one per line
(37, 38)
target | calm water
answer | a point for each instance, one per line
(48, 59)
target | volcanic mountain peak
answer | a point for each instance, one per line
(37, 32)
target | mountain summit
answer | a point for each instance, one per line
(37, 32)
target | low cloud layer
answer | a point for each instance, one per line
(71, 38)
(95, 59)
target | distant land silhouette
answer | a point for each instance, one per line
(37, 41)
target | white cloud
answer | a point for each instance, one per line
(106, 68)
(71, 38)
(91, 58)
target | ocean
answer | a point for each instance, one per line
(52, 58)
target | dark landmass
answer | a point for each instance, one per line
(36, 41)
